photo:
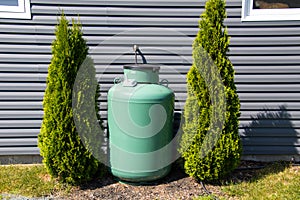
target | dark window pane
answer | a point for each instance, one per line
(275, 4)
(9, 3)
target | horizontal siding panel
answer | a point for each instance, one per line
(180, 70)
(268, 88)
(22, 123)
(16, 133)
(23, 77)
(263, 51)
(27, 48)
(286, 59)
(26, 39)
(21, 105)
(124, 21)
(141, 41)
(267, 78)
(19, 151)
(18, 142)
(269, 96)
(97, 30)
(23, 67)
(27, 58)
(273, 150)
(151, 59)
(29, 39)
(19, 96)
(280, 114)
(22, 86)
(167, 3)
(267, 69)
(101, 49)
(19, 29)
(263, 31)
(266, 141)
(263, 41)
(269, 122)
(120, 11)
(269, 132)
(146, 50)
(141, 31)
(168, 21)
(157, 3)
(24, 114)
(270, 105)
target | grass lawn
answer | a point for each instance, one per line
(29, 181)
(275, 181)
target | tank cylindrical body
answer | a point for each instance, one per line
(140, 120)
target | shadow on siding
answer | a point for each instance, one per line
(271, 133)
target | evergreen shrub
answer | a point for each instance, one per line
(64, 153)
(205, 159)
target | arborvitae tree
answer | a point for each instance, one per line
(64, 154)
(211, 157)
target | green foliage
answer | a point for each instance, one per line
(205, 159)
(64, 154)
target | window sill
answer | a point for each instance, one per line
(20, 11)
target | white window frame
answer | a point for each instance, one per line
(250, 14)
(22, 11)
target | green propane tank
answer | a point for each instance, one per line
(140, 121)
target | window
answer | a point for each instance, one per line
(270, 10)
(19, 9)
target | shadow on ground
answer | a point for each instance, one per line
(175, 174)
(251, 171)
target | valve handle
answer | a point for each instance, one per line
(164, 82)
(118, 80)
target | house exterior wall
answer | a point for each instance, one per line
(264, 55)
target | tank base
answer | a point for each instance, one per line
(140, 178)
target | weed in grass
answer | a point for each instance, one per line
(209, 197)
(30, 181)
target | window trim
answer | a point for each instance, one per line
(250, 14)
(22, 11)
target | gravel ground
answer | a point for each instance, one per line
(177, 185)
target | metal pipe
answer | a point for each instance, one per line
(137, 50)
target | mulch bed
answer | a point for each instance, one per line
(176, 185)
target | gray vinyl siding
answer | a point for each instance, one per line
(265, 56)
